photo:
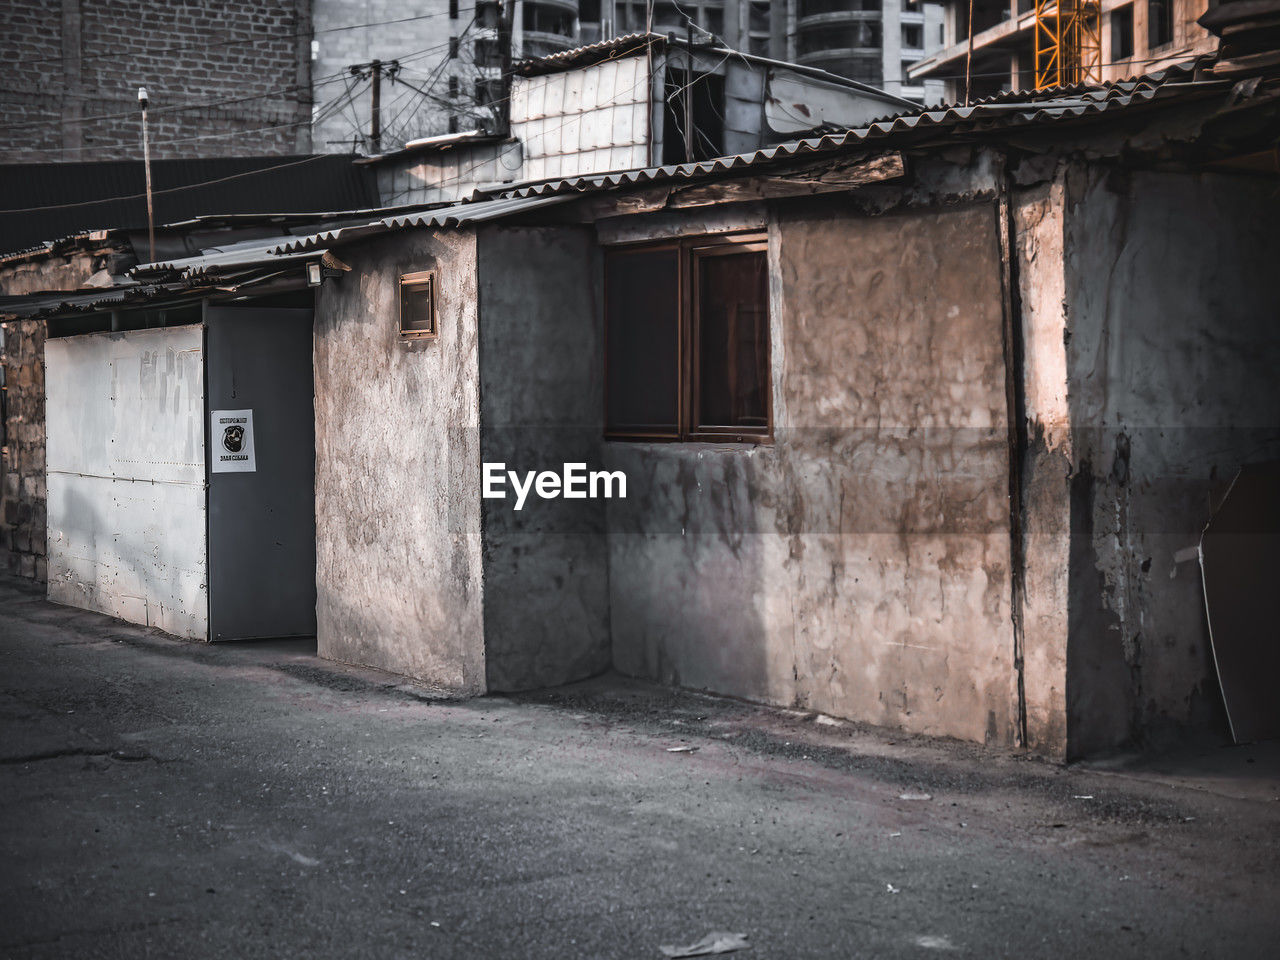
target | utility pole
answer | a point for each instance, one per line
(375, 120)
(374, 70)
(143, 100)
(506, 27)
(655, 159)
(688, 91)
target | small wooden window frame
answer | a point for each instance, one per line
(412, 282)
(691, 250)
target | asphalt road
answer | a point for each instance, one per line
(169, 799)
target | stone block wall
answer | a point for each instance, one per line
(23, 496)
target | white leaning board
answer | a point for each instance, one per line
(125, 458)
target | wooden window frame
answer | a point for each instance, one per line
(427, 277)
(690, 251)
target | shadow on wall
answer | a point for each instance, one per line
(689, 595)
(1171, 363)
(546, 576)
(75, 568)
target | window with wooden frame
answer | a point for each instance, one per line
(418, 305)
(687, 340)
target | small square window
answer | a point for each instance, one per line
(418, 305)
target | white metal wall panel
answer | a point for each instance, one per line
(450, 175)
(125, 460)
(580, 122)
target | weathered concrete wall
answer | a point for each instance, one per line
(1038, 219)
(546, 616)
(1172, 303)
(398, 567)
(858, 565)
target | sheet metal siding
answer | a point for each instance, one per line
(585, 121)
(262, 525)
(110, 194)
(125, 421)
(743, 108)
(797, 104)
(449, 175)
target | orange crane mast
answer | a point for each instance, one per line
(1068, 42)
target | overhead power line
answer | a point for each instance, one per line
(188, 186)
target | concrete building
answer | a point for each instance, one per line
(963, 507)
(867, 40)
(1136, 36)
(226, 78)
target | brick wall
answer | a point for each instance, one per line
(23, 496)
(69, 78)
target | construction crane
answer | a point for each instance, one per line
(1068, 42)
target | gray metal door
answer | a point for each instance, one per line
(262, 525)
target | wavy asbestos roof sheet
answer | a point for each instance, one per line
(998, 113)
(217, 260)
(457, 215)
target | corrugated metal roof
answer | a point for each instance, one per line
(997, 113)
(588, 53)
(48, 304)
(214, 261)
(457, 215)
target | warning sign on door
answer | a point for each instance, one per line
(231, 438)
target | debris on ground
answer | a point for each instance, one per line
(712, 943)
(891, 888)
(826, 721)
(683, 748)
(914, 795)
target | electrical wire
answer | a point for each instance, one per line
(156, 193)
(197, 105)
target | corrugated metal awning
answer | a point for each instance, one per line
(217, 260)
(455, 215)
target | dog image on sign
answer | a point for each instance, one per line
(231, 439)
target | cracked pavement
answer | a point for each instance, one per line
(166, 799)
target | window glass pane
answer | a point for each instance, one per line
(1159, 23)
(642, 341)
(1122, 33)
(417, 309)
(733, 340)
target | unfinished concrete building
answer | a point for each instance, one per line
(990, 46)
